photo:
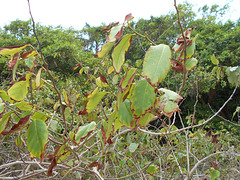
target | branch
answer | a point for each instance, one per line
(184, 48)
(198, 125)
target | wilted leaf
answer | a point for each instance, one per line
(168, 102)
(101, 81)
(127, 79)
(29, 54)
(115, 33)
(125, 114)
(128, 18)
(157, 63)
(13, 60)
(37, 136)
(38, 79)
(17, 126)
(19, 90)
(11, 50)
(84, 131)
(93, 99)
(176, 66)
(118, 54)
(143, 98)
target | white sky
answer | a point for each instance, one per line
(76, 13)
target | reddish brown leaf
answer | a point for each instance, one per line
(28, 54)
(110, 26)
(119, 34)
(128, 17)
(17, 126)
(214, 138)
(76, 66)
(109, 141)
(84, 111)
(214, 165)
(176, 66)
(103, 134)
(13, 61)
(209, 133)
(95, 164)
(102, 78)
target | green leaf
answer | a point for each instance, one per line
(11, 50)
(114, 32)
(127, 79)
(39, 115)
(67, 112)
(237, 111)
(214, 174)
(62, 153)
(143, 98)
(191, 63)
(118, 54)
(214, 60)
(30, 62)
(125, 114)
(37, 137)
(168, 102)
(152, 169)
(105, 49)
(143, 121)
(133, 147)
(65, 96)
(233, 74)
(101, 83)
(18, 142)
(84, 131)
(19, 90)
(5, 96)
(4, 120)
(157, 63)
(23, 105)
(2, 106)
(94, 100)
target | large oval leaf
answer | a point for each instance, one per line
(118, 54)
(157, 63)
(37, 136)
(143, 98)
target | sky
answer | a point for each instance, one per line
(75, 13)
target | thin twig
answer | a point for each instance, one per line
(49, 73)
